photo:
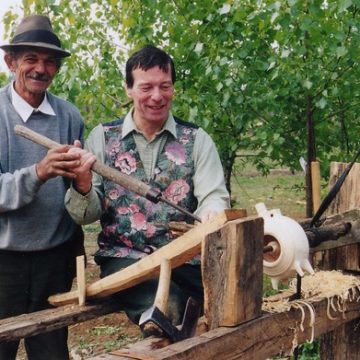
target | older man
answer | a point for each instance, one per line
(174, 156)
(38, 239)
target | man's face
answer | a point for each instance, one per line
(152, 94)
(34, 71)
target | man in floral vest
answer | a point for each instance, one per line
(174, 156)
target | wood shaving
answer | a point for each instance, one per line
(333, 285)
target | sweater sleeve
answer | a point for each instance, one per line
(18, 189)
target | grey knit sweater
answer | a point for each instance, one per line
(32, 213)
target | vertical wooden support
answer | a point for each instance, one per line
(232, 268)
(80, 278)
(316, 185)
(344, 341)
(346, 257)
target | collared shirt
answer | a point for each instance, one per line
(209, 183)
(24, 109)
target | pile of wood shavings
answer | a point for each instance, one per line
(335, 286)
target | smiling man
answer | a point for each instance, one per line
(38, 239)
(176, 157)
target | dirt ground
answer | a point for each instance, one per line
(100, 335)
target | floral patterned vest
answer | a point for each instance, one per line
(133, 226)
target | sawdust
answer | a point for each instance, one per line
(334, 286)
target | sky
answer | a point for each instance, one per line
(5, 5)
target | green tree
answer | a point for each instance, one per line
(276, 78)
(3, 79)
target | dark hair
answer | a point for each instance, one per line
(16, 53)
(146, 58)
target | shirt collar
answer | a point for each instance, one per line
(129, 125)
(24, 109)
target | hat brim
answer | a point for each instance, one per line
(60, 52)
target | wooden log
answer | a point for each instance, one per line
(178, 252)
(232, 268)
(335, 223)
(18, 327)
(261, 338)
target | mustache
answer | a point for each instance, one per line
(39, 77)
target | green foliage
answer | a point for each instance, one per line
(251, 73)
(3, 79)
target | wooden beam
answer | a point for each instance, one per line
(178, 252)
(261, 338)
(232, 268)
(21, 326)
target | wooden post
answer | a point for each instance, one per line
(316, 185)
(347, 257)
(81, 279)
(232, 267)
(344, 341)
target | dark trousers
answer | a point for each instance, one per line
(27, 279)
(185, 282)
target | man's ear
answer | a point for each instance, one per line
(128, 91)
(10, 62)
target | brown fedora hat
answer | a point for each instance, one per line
(36, 31)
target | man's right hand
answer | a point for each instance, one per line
(58, 162)
(83, 174)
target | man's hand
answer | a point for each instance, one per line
(83, 174)
(208, 214)
(58, 162)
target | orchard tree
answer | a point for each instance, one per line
(278, 79)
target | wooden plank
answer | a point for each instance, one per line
(178, 252)
(232, 268)
(261, 338)
(21, 326)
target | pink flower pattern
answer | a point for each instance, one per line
(177, 191)
(138, 221)
(175, 153)
(126, 163)
(133, 224)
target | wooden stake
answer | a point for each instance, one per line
(80, 278)
(316, 185)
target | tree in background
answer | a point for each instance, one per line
(278, 79)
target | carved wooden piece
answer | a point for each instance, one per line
(178, 252)
(232, 261)
(260, 338)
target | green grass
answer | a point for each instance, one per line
(278, 190)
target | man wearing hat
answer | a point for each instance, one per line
(38, 239)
